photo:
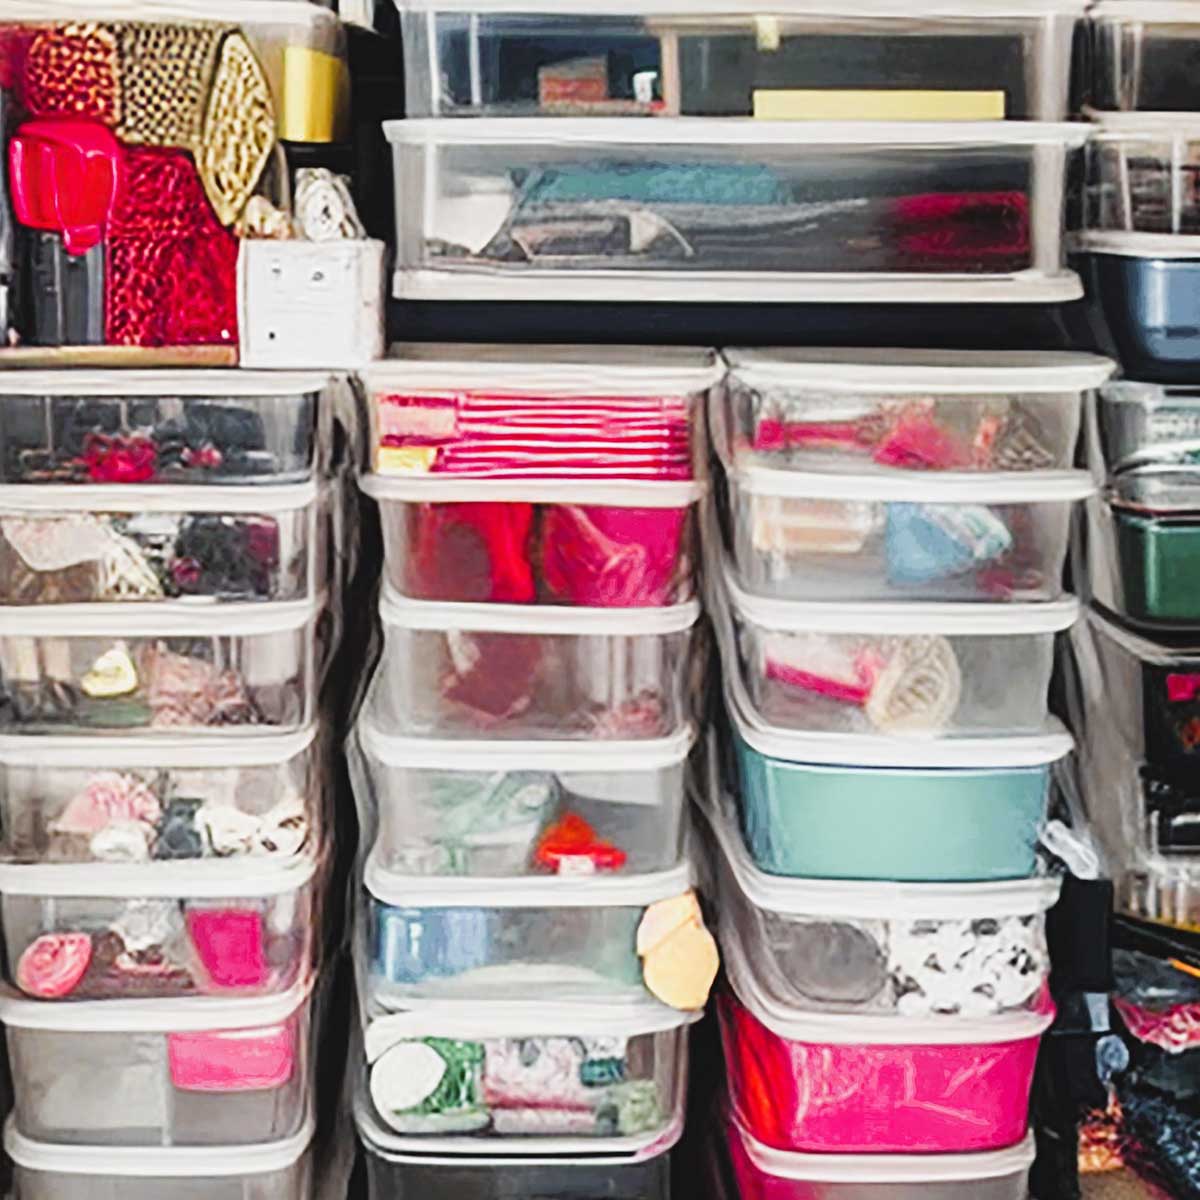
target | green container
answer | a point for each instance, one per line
(1160, 565)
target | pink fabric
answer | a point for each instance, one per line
(1175, 1030)
(245, 1060)
(875, 1099)
(1182, 688)
(230, 945)
(468, 552)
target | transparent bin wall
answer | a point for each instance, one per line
(101, 948)
(97, 684)
(800, 548)
(1138, 424)
(290, 1183)
(158, 439)
(502, 953)
(390, 1179)
(52, 812)
(520, 822)
(462, 64)
(467, 684)
(162, 1089)
(1144, 184)
(1145, 66)
(781, 209)
(80, 557)
(538, 1086)
(875, 1099)
(936, 968)
(810, 428)
(518, 553)
(915, 684)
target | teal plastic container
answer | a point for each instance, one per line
(909, 824)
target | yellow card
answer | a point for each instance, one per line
(882, 105)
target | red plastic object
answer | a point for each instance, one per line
(571, 837)
(64, 176)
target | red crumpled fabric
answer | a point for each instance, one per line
(613, 557)
(975, 231)
(492, 675)
(119, 459)
(470, 552)
(1175, 1030)
(171, 266)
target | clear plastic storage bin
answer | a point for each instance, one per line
(515, 671)
(907, 410)
(78, 545)
(1144, 56)
(158, 931)
(762, 1173)
(935, 953)
(110, 799)
(394, 1170)
(275, 1171)
(160, 667)
(902, 671)
(1136, 425)
(799, 535)
(528, 1078)
(625, 209)
(724, 58)
(539, 412)
(618, 544)
(193, 427)
(167, 1073)
(558, 939)
(490, 808)
(954, 810)
(839, 1084)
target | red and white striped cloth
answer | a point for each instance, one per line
(490, 435)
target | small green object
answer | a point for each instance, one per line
(1160, 566)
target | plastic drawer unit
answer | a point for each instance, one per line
(64, 544)
(587, 938)
(535, 672)
(150, 1073)
(1137, 425)
(159, 930)
(1144, 56)
(952, 536)
(838, 1084)
(486, 808)
(570, 413)
(858, 411)
(167, 668)
(173, 427)
(129, 799)
(529, 1078)
(723, 58)
(625, 209)
(948, 811)
(276, 1171)
(395, 1170)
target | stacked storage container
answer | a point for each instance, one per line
(530, 952)
(887, 590)
(172, 548)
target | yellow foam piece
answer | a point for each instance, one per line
(883, 105)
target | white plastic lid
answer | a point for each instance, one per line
(908, 1170)
(298, 13)
(550, 891)
(165, 1162)
(1171, 12)
(636, 372)
(546, 619)
(857, 1029)
(165, 618)
(917, 487)
(444, 754)
(190, 1014)
(929, 372)
(1161, 654)
(54, 498)
(468, 1020)
(1123, 243)
(216, 383)
(731, 132)
(190, 879)
(610, 493)
(967, 10)
(1112, 126)
(166, 753)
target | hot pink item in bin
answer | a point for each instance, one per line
(833, 1085)
(241, 1060)
(230, 944)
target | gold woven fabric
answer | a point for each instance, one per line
(166, 72)
(239, 129)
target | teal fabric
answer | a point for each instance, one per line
(684, 183)
(883, 824)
